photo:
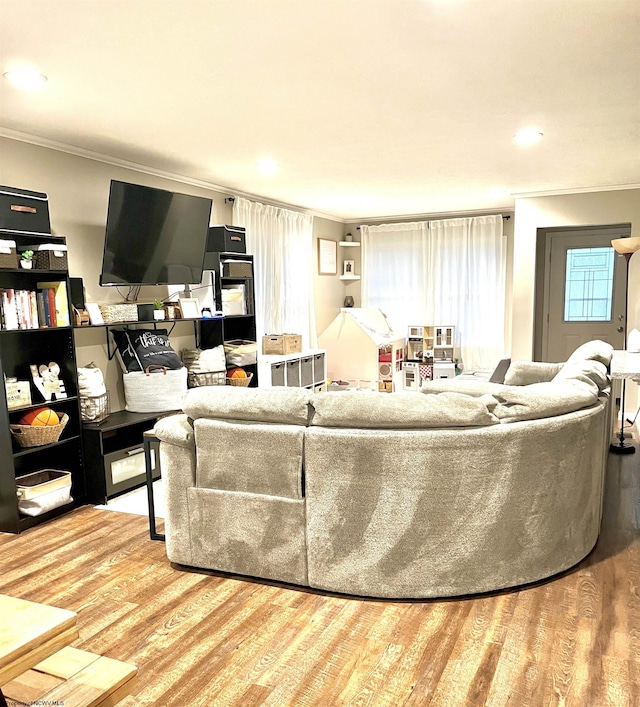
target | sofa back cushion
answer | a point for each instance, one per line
(249, 457)
(540, 400)
(288, 406)
(589, 372)
(399, 410)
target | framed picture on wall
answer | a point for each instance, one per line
(327, 257)
(349, 267)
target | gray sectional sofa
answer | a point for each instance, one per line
(465, 488)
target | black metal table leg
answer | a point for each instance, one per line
(150, 441)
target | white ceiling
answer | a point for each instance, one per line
(371, 107)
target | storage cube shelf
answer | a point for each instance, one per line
(306, 369)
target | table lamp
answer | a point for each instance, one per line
(626, 247)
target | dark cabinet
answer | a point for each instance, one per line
(232, 273)
(114, 454)
(26, 341)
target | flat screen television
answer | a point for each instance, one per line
(154, 237)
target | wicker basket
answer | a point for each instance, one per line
(241, 382)
(33, 436)
(197, 380)
(94, 408)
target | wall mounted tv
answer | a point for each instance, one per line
(154, 237)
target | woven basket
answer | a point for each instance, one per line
(32, 436)
(241, 382)
(197, 380)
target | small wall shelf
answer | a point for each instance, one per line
(349, 244)
(349, 277)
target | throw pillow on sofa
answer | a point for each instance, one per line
(140, 348)
(528, 372)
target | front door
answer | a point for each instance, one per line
(584, 291)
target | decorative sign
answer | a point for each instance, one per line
(327, 257)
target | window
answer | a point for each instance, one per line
(588, 285)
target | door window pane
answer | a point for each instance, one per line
(588, 285)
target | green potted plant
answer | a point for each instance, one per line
(26, 259)
(158, 309)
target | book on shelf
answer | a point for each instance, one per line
(32, 309)
(58, 302)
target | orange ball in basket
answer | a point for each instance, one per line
(236, 373)
(40, 417)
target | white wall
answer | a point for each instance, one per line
(330, 290)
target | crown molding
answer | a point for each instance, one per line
(576, 190)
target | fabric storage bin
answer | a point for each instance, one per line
(226, 239)
(43, 491)
(239, 352)
(48, 256)
(157, 389)
(24, 211)
(123, 312)
(8, 255)
(237, 268)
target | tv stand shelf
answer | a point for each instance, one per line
(116, 441)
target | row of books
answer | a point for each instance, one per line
(47, 306)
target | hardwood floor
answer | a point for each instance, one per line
(205, 639)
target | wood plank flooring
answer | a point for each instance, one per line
(199, 638)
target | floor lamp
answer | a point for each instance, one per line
(626, 247)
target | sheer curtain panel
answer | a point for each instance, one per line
(467, 285)
(394, 267)
(281, 242)
(449, 271)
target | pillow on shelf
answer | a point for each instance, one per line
(139, 348)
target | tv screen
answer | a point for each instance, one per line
(154, 237)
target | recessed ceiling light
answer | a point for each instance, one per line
(28, 79)
(527, 136)
(267, 166)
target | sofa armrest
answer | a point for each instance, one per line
(177, 430)
(178, 469)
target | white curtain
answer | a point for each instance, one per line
(281, 242)
(394, 267)
(441, 272)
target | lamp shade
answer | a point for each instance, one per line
(626, 245)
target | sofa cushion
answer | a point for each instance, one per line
(289, 406)
(528, 372)
(540, 400)
(595, 350)
(249, 457)
(399, 410)
(586, 371)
